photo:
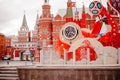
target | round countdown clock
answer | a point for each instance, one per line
(70, 32)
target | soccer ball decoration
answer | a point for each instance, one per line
(95, 7)
(115, 4)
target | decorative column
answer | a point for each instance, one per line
(51, 54)
(41, 56)
(37, 54)
(74, 57)
(65, 56)
(118, 55)
(88, 56)
(104, 57)
(14, 54)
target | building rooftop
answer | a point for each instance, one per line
(62, 12)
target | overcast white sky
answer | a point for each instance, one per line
(12, 11)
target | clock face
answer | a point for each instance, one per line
(70, 32)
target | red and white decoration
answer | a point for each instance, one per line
(115, 4)
(98, 45)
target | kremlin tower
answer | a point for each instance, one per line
(35, 31)
(25, 46)
(45, 26)
(24, 33)
(69, 12)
